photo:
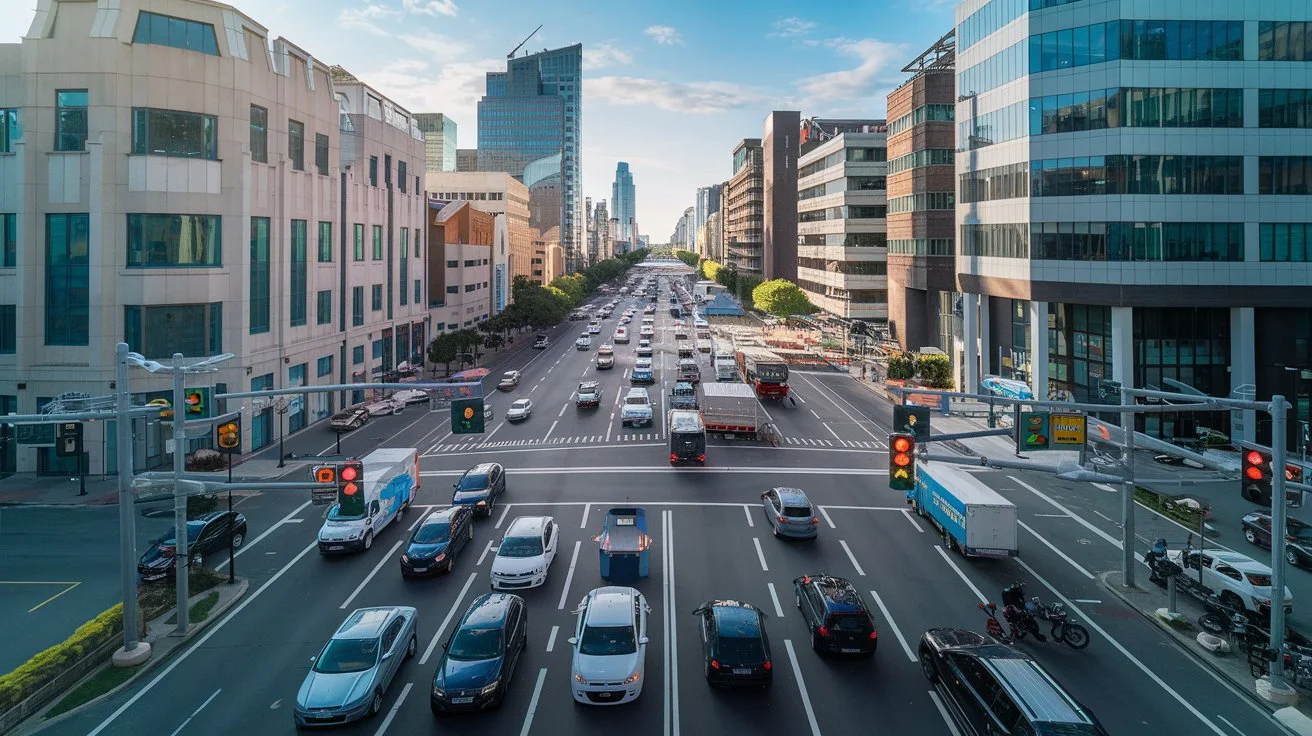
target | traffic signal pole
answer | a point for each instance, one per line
(182, 548)
(134, 651)
(1278, 532)
(1127, 491)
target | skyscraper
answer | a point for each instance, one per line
(622, 200)
(779, 149)
(439, 141)
(529, 127)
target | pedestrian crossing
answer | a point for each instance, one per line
(584, 440)
(856, 444)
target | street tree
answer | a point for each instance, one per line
(745, 284)
(444, 349)
(711, 270)
(688, 257)
(781, 298)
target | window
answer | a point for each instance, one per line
(296, 144)
(8, 329)
(8, 129)
(1142, 40)
(453, 289)
(325, 242)
(405, 264)
(162, 241)
(453, 264)
(357, 355)
(376, 297)
(357, 246)
(174, 133)
(1153, 107)
(922, 114)
(299, 266)
(8, 241)
(259, 279)
(1284, 41)
(913, 160)
(1132, 241)
(1283, 108)
(323, 312)
(387, 169)
(417, 241)
(259, 134)
(1284, 174)
(419, 290)
(994, 71)
(357, 306)
(998, 240)
(400, 176)
(180, 33)
(71, 120)
(378, 242)
(324, 366)
(373, 171)
(68, 279)
(161, 331)
(921, 201)
(1285, 242)
(321, 153)
(867, 154)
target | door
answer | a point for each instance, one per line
(213, 537)
(971, 688)
(771, 501)
(392, 645)
(376, 516)
(549, 542)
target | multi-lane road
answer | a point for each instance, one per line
(711, 540)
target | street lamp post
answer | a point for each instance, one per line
(281, 406)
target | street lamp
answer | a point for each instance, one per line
(179, 367)
(282, 406)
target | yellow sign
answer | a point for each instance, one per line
(1067, 429)
(469, 412)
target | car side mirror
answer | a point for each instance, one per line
(387, 655)
(643, 640)
(455, 485)
(368, 522)
(444, 645)
(573, 641)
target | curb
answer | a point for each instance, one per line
(38, 725)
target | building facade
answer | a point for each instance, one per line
(498, 193)
(744, 210)
(466, 159)
(684, 235)
(530, 126)
(210, 211)
(601, 226)
(439, 141)
(921, 159)
(623, 198)
(1134, 202)
(462, 255)
(779, 149)
(711, 237)
(708, 201)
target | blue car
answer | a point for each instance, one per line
(480, 656)
(350, 676)
(790, 513)
(433, 545)
(479, 487)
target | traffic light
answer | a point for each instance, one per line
(195, 402)
(227, 436)
(902, 461)
(326, 474)
(466, 416)
(350, 488)
(1255, 476)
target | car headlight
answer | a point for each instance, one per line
(580, 679)
(438, 692)
(632, 678)
(481, 503)
(440, 557)
(353, 535)
(490, 688)
(405, 559)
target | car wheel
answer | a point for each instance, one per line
(797, 600)
(411, 648)
(368, 540)
(927, 666)
(1293, 557)
(238, 539)
(1250, 536)
(774, 529)
(450, 563)
(376, 705)
(400, 512)
(1231, 599)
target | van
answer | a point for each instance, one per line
(687, 437)
(391, 481)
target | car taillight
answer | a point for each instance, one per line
(673, 457)
(715, 665)
(766, 665)
(781, 519)
(701, 458)
(823, 631)
(874, 635)
(815, 520)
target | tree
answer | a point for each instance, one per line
(728, 278)
(711, 270)
(745, 285)
(688, 257)
(902, 367)
(781, 298)
(444, 349)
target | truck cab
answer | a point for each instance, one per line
(687, 438)
(689, 371)
(684, 396)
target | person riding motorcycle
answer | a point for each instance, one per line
(1019, 612)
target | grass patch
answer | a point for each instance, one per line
(201, 610)
(106, 679)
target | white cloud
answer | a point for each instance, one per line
(855, 83)
(366, 17)
(435, 44)
(684, 97)
(453, 89)
(664, 35)
(602, 55)
(791, 27)
(431, 7)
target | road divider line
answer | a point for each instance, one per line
(551, 640)
(284, 520)
(386, 558)
(855, 421)
(569, 576)
(831, 430)
(533, 703)
(672, 631)
(586, 508)
(194, 713)
(814, 414)
(418, 517)
(208, 634)
(1058, 552)
(843, 543)
(502, 518)
(801, 688)
(747, 511)
(944, 554)
(893, 625)
(825, 513)
(549, 431)
(1083, 522)
(774, 598)
(391, 714)
(481, 557)
(760, 555)
(455, 606)
(562, 409)
(942, 711)
(913, 521)
(488, 436)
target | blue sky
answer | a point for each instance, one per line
(669, 86)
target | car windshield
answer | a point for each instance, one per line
(347, 655)
(336, 514)
(475, 644)
(432, 533)
(849, 622)
(1260, 580)
(521, 404)
(473, 482)
(607, 641)
(636, 401)
(797, 511)
(737, 649)
(520, 547)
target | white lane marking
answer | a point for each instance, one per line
(573, 560)
(386, 559)
(194, 713)
(391, 714)
(562, 410)
(285, 520)
(1105, 487)
(1050, 516)
(535, 386)
(855, 421)
(913, 521)
(774, 596)
(533, 704)
(760, 555)
(586, 509)
(851, 557)
(488, 436)
(549, 431)
(1086, 524)
(799, 397)
(747, 511)
(502, 518)
(893, 625)
(205, 637)
(450, 614)
(942, 711)
(673, 634)
(1088, 600)
(944, 554)
(486, 550)
(551, 640)
(1227, 722)
(801, 688)
(1117, 645)
(1052, 547)
(825, 513)
(1105, 516)
(831, 431)
(418, 517)
(813, 413)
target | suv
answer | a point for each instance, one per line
(605, 357)
(1298, 538)
(583, 343)
(983, 684)
(610, 646)
(1241, 582)
(836, 615)
(642, 372)
(589, 395)
(525, 553)
(509, 381)
(637, 408)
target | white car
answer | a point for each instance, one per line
(525, 554)
(594, 328)
(520, 410)
(647, 331)
(381, 407)
(411, 396)
(625, 319)
(610, 646)
(621, 334)
(583, 343)
(1237, 579)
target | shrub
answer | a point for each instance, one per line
(935, 370)
(33, 674)
(206, 461)
(197, 505)
(902, 367)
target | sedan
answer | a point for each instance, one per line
(520, 410)
(790, 513)
(1298, 537)
(347, 419)
(383, 407)
(433, 545)
(480, 658)
(350, 676)
(207, 534)
(479, 487)
(411, 396)
(735, 649)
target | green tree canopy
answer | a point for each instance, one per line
(688, 257)
(711, 270)
(744, 286)
(781, 298)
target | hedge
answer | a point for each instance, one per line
(1169, 506)
(33, 674)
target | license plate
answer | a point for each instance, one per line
(334, 547)
(605, 696)
(462, 701)
(850, 651)
(742, 670)
(421, 569)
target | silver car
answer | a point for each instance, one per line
(790, 513)
(350, 676)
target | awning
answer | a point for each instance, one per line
(473, 374)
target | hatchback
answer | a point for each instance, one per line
(480, 487)
(836, 615)
(433, 545)
(735, 649)
(525, 553)
(348, 679)
(790, 513)
(480, 657)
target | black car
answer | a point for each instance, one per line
(983, 683)
(1298, 537)
(735, 647)
(836, 615)
(435, 542)
(206, 534)
(480, 487)
(481, 654)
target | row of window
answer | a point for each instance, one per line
(472, 196)
(1140, 40)
(1284, 108)
(922, 247)
(180, 33)
(850, 184)
(847, 212)
(850, 268)
(1284, 175)
(995, 126)
(1284, 41)
(854, 155)
(1117, 174)
(995, 14)
(995, 71)
(845, 240)
(1136, 241)
(923, 157)
(923, 201)
(1285, 242)
(923, 114)
(853, 296)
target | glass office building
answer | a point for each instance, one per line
(1132, 201)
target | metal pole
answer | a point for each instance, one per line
(1127, 493)
(127, 524)
(339, 443)
(81, 469)
(182, 552)
(1279, 419)
(232, 557)
(282, 458)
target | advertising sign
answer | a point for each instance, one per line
(1041, 430)
(1068, 430)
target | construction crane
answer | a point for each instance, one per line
(511, 55)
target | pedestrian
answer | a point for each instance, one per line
(863, 372)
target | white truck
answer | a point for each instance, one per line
(974, 519)
(730, 408)
(391, 481)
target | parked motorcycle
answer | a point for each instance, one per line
(1220, 619)
(1063, 628)
(1160, 569)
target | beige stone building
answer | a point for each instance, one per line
(497, 193)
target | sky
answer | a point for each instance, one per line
(670, 87)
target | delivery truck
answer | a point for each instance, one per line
(391, 481)
(730, 408)
(975, 520)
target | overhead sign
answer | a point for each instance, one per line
(36, 435)
(1041, 430)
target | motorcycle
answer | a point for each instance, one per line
(1160, 568)
(1220, 619)
(1023, 618)
(1063, 629)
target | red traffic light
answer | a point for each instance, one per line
(1255, 458)
(901, 459)
(349, 473)
(1253, 472)
(901, 444)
